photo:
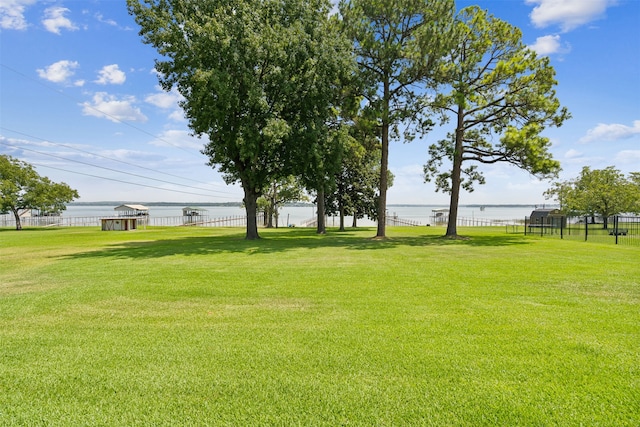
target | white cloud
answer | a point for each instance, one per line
(611, 132)
(12, 14)
(575, 157)
(111, 74)
(55, 20)
(131, 155)
(631, 157)
(179, 138)
(168, 101)
(569, 14)
(572, 154)
(104, 20)
(177, 115)
(109, 107)
(547, 45)
(60, 72)
(165, 99)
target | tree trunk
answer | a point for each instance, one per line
(355, 221)
(16, 214)
(274, 203)
(322, 228)
(384, 163)
(341, 218)
(271, 207)
(456, 172)
(251, 207)
(270, 217)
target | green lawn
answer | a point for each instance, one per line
(193, 326)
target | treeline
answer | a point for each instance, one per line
(290, 95)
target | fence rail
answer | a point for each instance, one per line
(95, 221)
(617, 229)
(475, 222)
(394, 220)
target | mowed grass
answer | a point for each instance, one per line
(193, 326)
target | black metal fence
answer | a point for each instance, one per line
(618, 229)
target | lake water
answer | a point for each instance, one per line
(296, 215)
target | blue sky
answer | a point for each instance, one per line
(80, 100)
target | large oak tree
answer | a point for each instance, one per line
(598, 192)
(501, 97)
(22, 189)
(258, 77)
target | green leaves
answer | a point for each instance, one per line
(398, 45)
(499, 91)
(22, 188)
(604, 192)
(261, 79)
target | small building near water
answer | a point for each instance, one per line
(131, 210)
(538, 216)
(191, 215)
(191, 211)
(547, 218)
(119, 224)
(440, 216)
(127, 218)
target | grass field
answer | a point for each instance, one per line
(193, 326)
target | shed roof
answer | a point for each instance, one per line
(541, 213)
(131, 207)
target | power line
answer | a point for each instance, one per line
(126, 182)
(104, 157)
(108, 169)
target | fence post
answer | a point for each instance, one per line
(615, 227)
(586, 228)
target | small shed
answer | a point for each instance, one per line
(538, 215)
(191, 211)
(119, 224)
(547, 218)
(131, 210)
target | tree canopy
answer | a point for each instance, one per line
(398, 44)
(501, 97)
(598, 192)
(357, 181)
(22, 188)
(259, 79)
(277, 194)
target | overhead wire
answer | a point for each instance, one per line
(126, 182)
(59, 92)
(104, 157)
(106, 168)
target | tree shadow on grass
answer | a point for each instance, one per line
(280, 241)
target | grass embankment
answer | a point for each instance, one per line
(197, 326)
